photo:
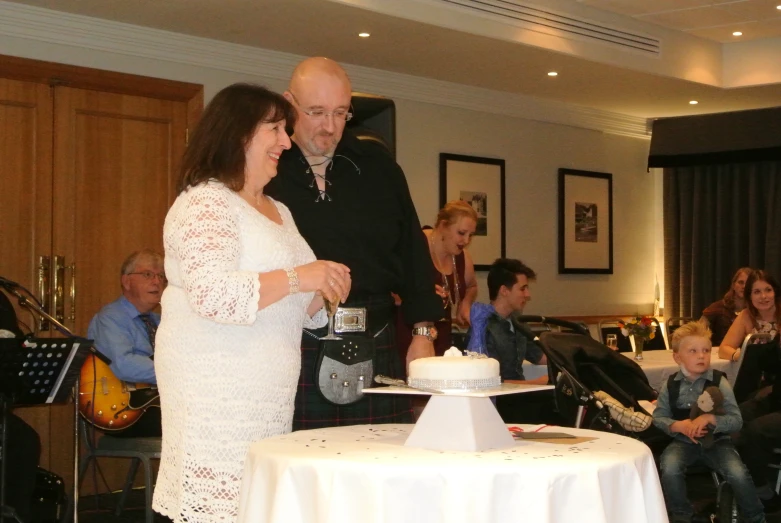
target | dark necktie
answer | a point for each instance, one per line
(150, 327)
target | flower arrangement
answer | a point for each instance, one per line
(640, 326)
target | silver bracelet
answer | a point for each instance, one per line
(292, 279)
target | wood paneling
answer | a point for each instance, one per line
(88, 167)
(116, 161)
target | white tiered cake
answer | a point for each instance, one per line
(455, 372)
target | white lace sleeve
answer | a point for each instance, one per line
(319, 319)
(206, 242)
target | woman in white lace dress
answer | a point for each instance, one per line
(242, 283)
(762, 313)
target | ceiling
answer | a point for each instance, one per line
(329, 28)
(712, 19)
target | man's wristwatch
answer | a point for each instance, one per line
(429, 332)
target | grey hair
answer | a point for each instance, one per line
(129, 265)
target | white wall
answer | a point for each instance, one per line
(533, 151)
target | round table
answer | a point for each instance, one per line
(365, 474)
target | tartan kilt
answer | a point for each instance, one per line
(312, 411)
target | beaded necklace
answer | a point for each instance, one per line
(445, 285)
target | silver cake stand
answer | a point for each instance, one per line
(464, 420)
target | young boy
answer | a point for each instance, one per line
(691, 351)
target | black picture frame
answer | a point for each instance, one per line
(481, 182)
(585, 222)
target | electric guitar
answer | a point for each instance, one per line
(109, 403)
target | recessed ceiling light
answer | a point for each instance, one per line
(778, 7)
(693, 102)
(553, 73)
(737, 33)
(364, 35)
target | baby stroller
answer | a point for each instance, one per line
(582, 369)
(580, 366)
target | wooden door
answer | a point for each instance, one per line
(117, 156)
(25, 202)
(25, 182)
(116, 161)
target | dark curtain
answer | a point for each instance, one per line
(718, 218)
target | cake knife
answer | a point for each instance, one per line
(385, 380)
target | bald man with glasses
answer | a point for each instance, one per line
(351, 203)
(124, 330)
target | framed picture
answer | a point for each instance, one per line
(585, 222)
(479, 181)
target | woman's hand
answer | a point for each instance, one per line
(462, 316)
(328, 278)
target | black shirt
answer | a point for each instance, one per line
(367, 221)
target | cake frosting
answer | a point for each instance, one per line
(455, 371)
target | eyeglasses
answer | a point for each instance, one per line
(319, 114)
(149, 275)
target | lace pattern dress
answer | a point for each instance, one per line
(227, 372)
(768, 327)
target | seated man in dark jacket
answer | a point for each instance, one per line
(508, 289)
(496, 333)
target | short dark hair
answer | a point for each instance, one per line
(505, 271)
(753, 277)
(217, 147)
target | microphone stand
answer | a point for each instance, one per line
(34, 307)
(581, 393)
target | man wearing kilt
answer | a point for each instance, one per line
(351, 202)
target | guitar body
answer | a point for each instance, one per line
(110, 403)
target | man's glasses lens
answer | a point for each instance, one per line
(149, 275)
(319, 114)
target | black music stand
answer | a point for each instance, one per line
(35, 371)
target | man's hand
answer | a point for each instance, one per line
(542, 380)
(420, 347)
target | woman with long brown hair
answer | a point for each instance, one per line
(720, 314)
(242, 282)
(762, 313)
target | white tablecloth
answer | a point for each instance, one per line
(365, 474)
(656, 364)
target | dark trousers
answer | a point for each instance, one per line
(761, 433)
(22, 454)
(721, 457)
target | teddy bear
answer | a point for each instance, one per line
(711, 401)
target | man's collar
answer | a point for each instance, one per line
(128, 307)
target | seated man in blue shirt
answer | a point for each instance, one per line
(124, 330)
(496, 333)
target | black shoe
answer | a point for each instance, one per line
(773, 504)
